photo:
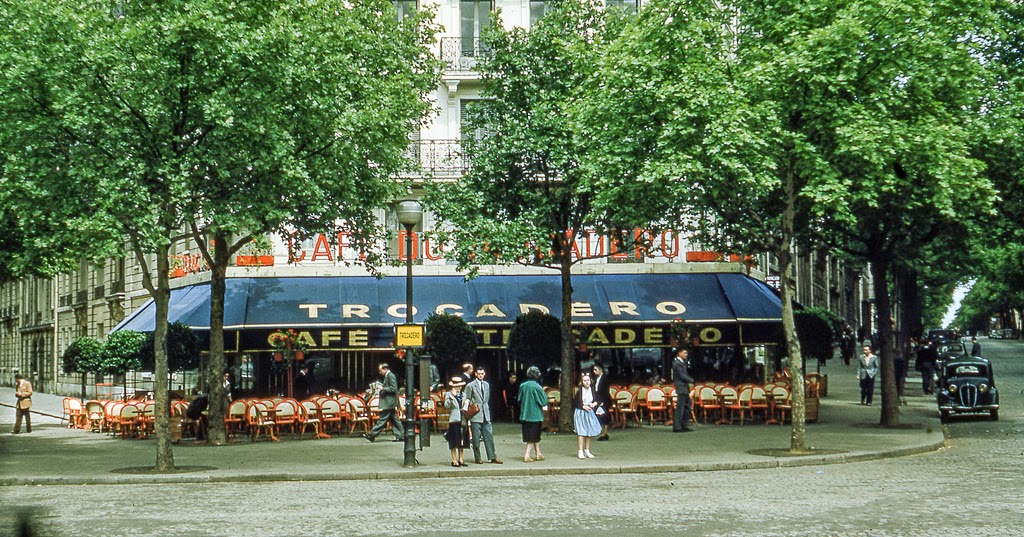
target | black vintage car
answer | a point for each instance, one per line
(949, 350)
(966, 386)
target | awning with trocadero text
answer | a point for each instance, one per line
(343, 312)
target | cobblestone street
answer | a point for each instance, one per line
(972, 487)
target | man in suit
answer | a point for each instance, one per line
(23, 393)
(478, 392)
(388, 405)
(467, 373)
(682, 379)
(975, 347)
(604, 399)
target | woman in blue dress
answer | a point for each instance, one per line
(585, 409)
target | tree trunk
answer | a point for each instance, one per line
(83, 386)
(798, 432)
(890, 399)
(215, 369)
(565, 379)
(161, 298)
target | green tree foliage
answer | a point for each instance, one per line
(219, 118)
(450, 339)
(777, 120)
(83, 356)
(122, 352)
(528, 199)
(183, 352)
(536, 339)
(818, 329)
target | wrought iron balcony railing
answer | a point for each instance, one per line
(436, 157)
(462, 53)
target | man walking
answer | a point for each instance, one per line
(23, 393)
(975, 347)
(388, 405)
(478, 392)
(682, 379)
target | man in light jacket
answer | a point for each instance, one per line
(23, 393)
(479, 393)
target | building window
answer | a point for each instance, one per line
(475, 16)
(404, 8)
(629, 6)
(537, 10)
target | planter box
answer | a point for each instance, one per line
(177, 272)
(811, 406)
(254, 261)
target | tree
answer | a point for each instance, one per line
(183, 352)
(536, 339)
(312, 114)
(122, 353)
(765, 114)
(190, 118)
(450, 339)
(83, 356)
(527, 200)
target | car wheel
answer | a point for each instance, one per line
(994, 415)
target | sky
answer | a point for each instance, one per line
(958, 294)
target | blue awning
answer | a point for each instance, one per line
(357, 301)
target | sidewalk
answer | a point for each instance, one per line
(845, 432)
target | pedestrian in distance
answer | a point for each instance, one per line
(584, 414)
(604, 399)
(388, 405)
(457, 434)
(867, 370)
(511, 395)
(478, 392)
(681, 379)
(467, 373)
(533, 403)
(927, 359)
(23, 402)
(975, 347)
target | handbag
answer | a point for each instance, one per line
(472, 410)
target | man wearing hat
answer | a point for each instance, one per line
(388, 405)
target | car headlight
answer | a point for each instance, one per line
(983, 388)
(952, 388)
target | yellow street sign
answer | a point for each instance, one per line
(409, 335)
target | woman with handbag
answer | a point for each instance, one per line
(455, 401)
(585, 408)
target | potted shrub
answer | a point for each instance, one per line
(83, 356)
(122, 353)
(449, 340)
(258, 253)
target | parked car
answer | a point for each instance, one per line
(995, 334)
(936, 334)
(966, 386)
(950, 350)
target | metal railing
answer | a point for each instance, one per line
(436, 157)
(462, 53)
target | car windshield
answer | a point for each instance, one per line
(951, 349)
(966, 370)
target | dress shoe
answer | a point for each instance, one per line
(528, 459)
(463, 464)
(685, 430)
(539, 457)
(497, 461)
(479, 461)
(370, 438)
(399, 440)
(602, 438)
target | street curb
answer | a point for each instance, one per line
(512, 471)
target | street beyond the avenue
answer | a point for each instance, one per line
(971, 487)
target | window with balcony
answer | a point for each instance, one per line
(404, 8)
(629, 6)
(475, 17)
(537, 10)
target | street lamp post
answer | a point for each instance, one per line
(409, 214)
